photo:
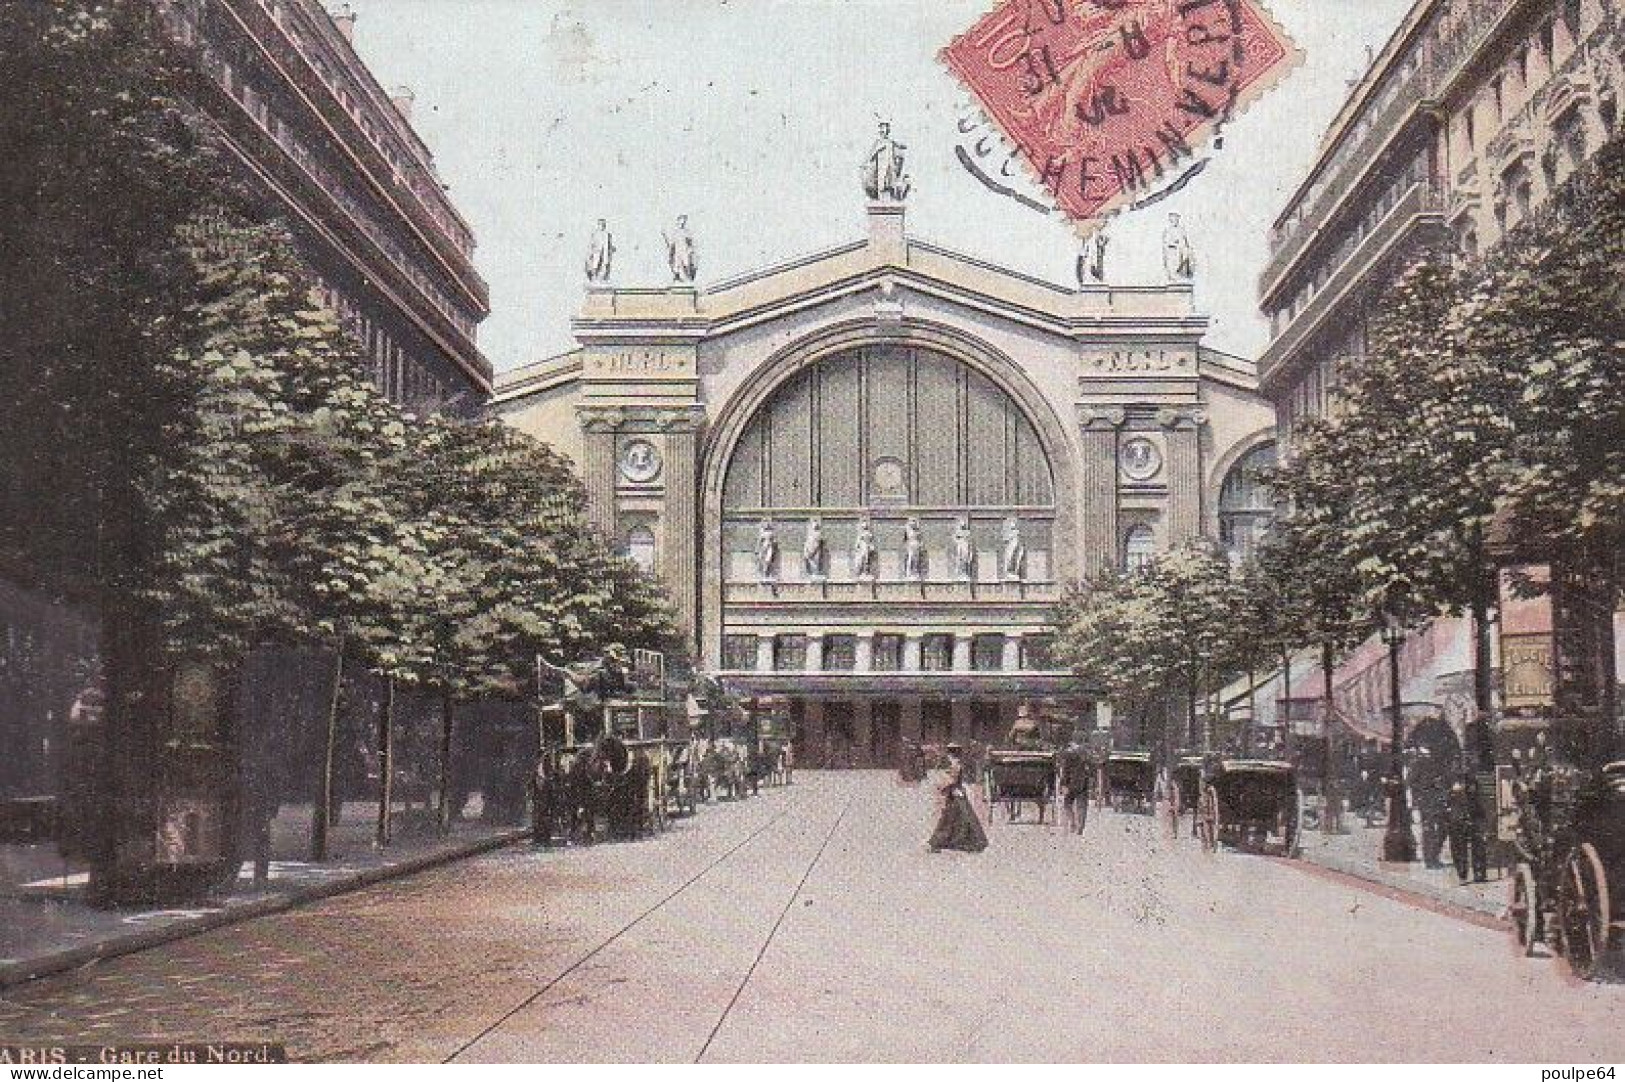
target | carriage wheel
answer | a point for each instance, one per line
(1582, 911)
(1524, 910)
(1208, 819)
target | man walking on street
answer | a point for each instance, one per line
(1466, 819)
(1074, 770)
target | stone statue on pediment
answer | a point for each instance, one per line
(884, 177)
(813, 550)
(1177, 258)
(1013, 553)
(767, 551)
(681, 254)
(600, 253)
(964, 550)
(913, 551)
(863, 551)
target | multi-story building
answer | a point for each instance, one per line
(1474, 112)
(1471, 116)
(867, 475)
(341, 164)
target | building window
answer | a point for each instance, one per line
(937, 653)
(640, 548)
(840, 653)
(987, 653)
(739, 652)
(789, 653)
(1246, 505)
(888, 653)
(1139, 547)
(1038, 652)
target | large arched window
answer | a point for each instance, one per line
(924, 452)
(1246, 505)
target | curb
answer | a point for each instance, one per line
(1370, 879)
(16, 973)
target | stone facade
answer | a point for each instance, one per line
(1472, 115)
(968, 441)
(337, 160)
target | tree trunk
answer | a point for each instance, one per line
(1328, 777)
(1285, 720)
(321, 816)
(386, 764)
(444, 811)
(1483, 663)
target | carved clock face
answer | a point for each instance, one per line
(640, 461)
(1141, 459)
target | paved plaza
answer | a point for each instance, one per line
(811, 924)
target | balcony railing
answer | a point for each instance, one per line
(1451, 43)
(885, 592)
(1419, 215)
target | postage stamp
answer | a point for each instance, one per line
(1110, 101)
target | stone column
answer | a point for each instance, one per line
(962, 644)
(911, 655)
(814, 661)
(863, 730)
(598, 466)
(1184, 428)
(910, 722)
(679, 560)
(1011, 662)
(865, 657)
(764, 653)
(817, 740)
(1097, 487)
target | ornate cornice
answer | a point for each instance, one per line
(594, 418)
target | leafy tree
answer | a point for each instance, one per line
(1157, 634)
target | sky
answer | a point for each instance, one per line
(752, 117)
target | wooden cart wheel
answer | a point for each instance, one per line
(1523, 908)
(1582, 911)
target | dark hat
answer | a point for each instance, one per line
(955, 747)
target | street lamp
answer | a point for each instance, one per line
(1398, 843)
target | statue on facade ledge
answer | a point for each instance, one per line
(1092, 260)
(767, 551)
(884, 177)
(681, 254)
(600, 253)
(813, 551)
(913, 551)
(863, 551)
(1013, 557)
(964, 550)
(1177, 258)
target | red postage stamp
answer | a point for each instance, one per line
(1110, 100)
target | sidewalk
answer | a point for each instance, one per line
(1356, 854)
(46, 927)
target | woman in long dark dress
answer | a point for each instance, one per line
(958, 826)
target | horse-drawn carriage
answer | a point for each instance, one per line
(1129, 781)
(1184, 791)
(1250, 802)
(723, 769)
(1570, 878)
(1016, 777)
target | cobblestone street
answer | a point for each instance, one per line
(810, 923)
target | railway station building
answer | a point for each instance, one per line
(867, 475)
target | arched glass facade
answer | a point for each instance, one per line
(1246, 505)
(936, 459)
